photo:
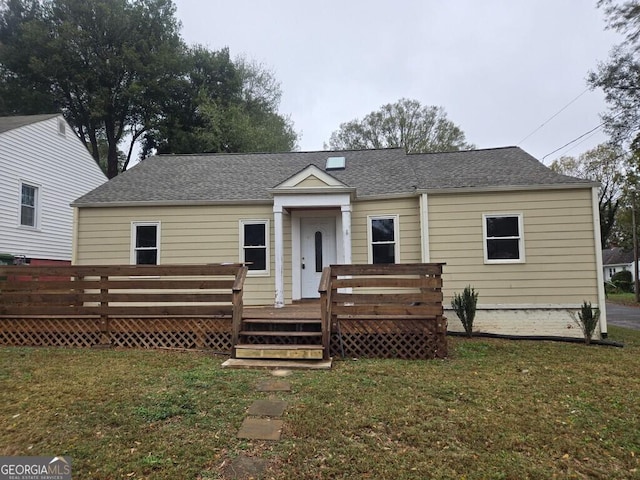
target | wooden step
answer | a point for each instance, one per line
(292, 352)
(284, 333)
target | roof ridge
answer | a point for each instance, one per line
(292, 152)
(465, 151)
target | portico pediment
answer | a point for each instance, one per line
(311, 179)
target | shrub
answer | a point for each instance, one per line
(588, 322)
(465, 307)
(622, 281)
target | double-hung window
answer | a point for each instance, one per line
(503, 239)
(254, 245)
(29, 205)
(383, 239)
(145, 241)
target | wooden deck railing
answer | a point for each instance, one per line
(384, 310)
(154, 292)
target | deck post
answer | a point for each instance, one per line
(237, 301)
(325, 290)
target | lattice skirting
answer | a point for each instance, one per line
(406, 339)
(202, 333)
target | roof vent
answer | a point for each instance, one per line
(335, 163)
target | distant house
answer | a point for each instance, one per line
(43, 167)
(526, 238)
(615, 260)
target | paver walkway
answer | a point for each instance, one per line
(263, 421)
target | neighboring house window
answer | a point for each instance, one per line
(254, 243)
(612, 271)
(29, 205)
(383, 239)
(503, 238)
(146, 243)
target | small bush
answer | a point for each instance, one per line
(589, 317)
(465, 307)
(622, 281)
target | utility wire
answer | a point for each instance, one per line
(553, 116)
(574, 140)
(579, 143)
(581, 136)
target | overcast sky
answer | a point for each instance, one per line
(499, 68)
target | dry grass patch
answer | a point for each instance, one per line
(494, 409)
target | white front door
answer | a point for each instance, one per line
(317, 250)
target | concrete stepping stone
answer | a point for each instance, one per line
(244, 468)
(267, 408)
(261, 429)
(273, 385)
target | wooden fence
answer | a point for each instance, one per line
(384, 311)
(184, 306)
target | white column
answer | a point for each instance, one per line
(279, 253)
(346, 232)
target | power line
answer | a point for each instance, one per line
(553, 116)
(574, 140)
(579, 143)
(582, 136)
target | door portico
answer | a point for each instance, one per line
(329, 203)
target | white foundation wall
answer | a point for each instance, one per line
(553, 322)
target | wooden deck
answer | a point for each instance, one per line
(305, 310)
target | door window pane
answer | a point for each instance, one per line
(318, 240)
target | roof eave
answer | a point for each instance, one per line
(509, 188)
(172, 203)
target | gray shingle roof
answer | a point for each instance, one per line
(616, 256)
(507, 166)
(17, 121)
(248, 177)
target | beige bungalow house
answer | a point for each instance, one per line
(526, 238)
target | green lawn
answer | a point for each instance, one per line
(627, 298)
(495, 409)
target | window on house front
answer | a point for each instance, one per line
(146, 243)
(383, 239)
(28, 205)
(503, 238)
(254, 245)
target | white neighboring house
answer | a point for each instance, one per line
(615, 260)
(43, 167)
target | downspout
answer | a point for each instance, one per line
(424, 228)
(599, 268)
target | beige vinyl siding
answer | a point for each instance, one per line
(189, 234)
(560, 261)
(408, 212)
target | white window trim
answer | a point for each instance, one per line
(134, 226)
(396, 235)
(520, 238)
(37, 206)
(267, 236)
